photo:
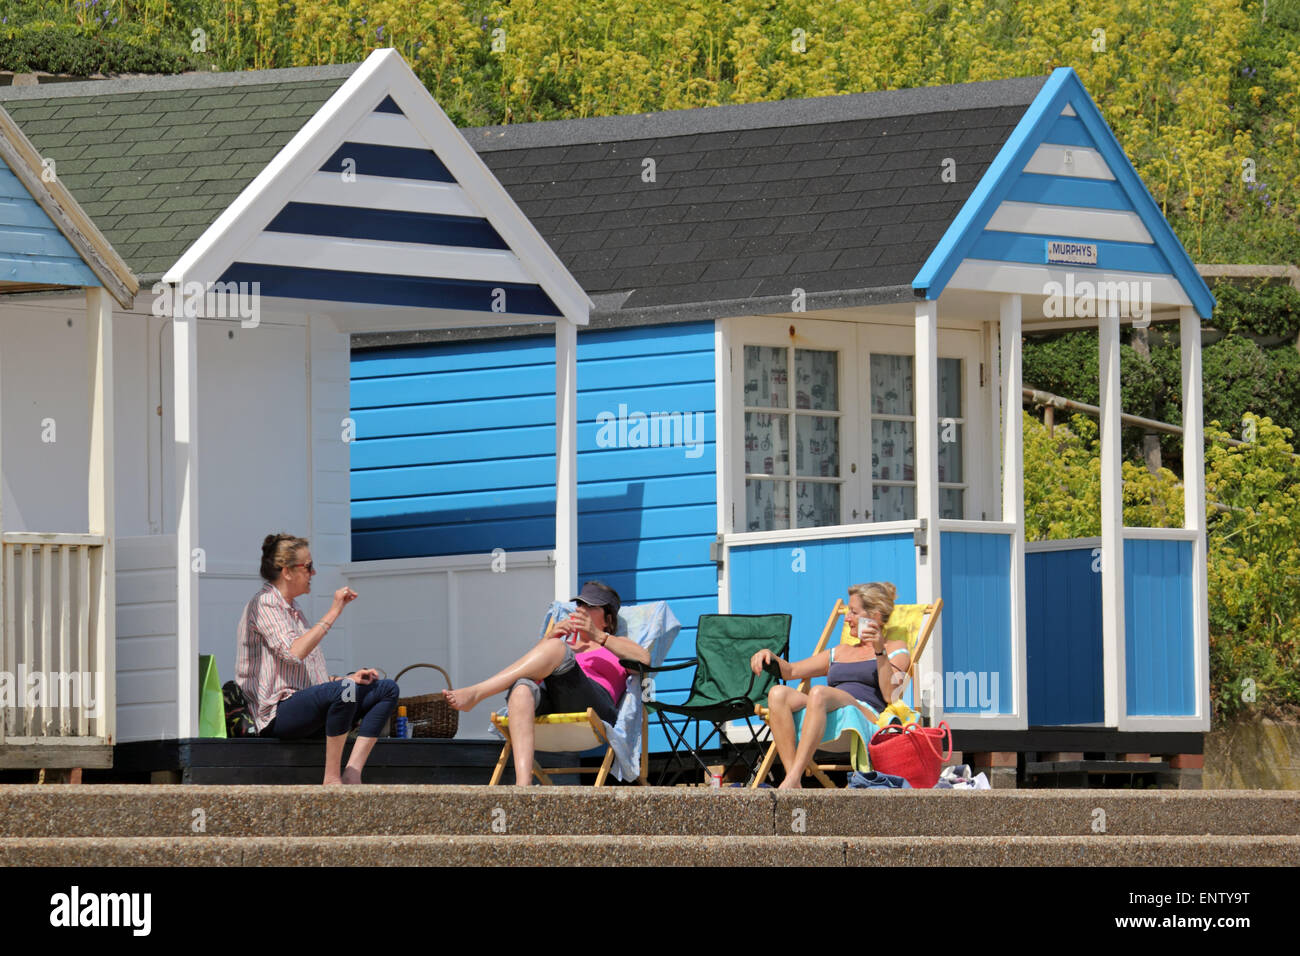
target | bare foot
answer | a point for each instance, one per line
(786, 784)
(333, 782)
(464, 699)
(351, 775)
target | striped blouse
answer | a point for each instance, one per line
(265, 668)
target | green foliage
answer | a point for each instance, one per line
(1254, 570)
(1253, 534)
(66, 48)
(1204, 95)
(1241, 378)
(1264, 309)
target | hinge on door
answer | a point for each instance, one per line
(981, 374)
(715, 551)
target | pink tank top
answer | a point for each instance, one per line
(602, 666)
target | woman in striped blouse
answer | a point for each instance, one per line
(281, 669)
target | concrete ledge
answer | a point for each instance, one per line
(148, 810)
(650, 851)
(373, 810)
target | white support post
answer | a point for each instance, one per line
(1189, 326)
(6, 654)
(566, 459)
(101, 501)
(186, 419)
(925, 378)
(1013, 490)
(1114, 684)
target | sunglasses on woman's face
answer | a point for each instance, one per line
(310, 566)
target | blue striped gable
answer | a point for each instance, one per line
(383, 221)
(32, 249)
(1062, 177)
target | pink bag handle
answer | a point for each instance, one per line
(946, 735)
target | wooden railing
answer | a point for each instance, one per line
(55, 660)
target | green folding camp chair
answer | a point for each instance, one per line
(723, 689)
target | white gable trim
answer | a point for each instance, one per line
(350, 108)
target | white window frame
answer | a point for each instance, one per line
(774, 332)
(856, 340)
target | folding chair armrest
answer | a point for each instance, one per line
(647, 669)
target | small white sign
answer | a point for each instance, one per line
(1071, 253)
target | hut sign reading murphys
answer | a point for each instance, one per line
(1071, 253)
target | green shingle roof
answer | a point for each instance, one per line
(154, 161)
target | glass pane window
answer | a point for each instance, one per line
(767, 443)
(893, 454)
(950, 451)
(891, 384)
(893, 502)
(949, 388)
(816, 380)
(817, 448)
(950, 503)
(817, 504)
(767, 505)
(766, 376)
(774, 500)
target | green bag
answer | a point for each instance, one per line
(212, 706)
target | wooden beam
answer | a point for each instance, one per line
(101, 502)
(566, 460)
(1013, 492)
(186, 424)
(1194, 502)
(73, 753)
(1112, 525)
(925, 378)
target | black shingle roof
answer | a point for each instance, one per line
(842, 196)
(153, 161)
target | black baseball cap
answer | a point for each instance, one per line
(599, 595)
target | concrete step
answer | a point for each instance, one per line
(129, 811)
(630, 850)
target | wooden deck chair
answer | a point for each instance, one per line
(578, 732)
(923, 617)
(571, 733)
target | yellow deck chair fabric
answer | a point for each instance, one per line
(911, 624)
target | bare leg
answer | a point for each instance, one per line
(782, 702)
(522, 711)
(820, 700)
(357, 762)
(537, 664)
(333, 758)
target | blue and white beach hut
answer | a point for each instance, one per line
(800, 346)
(811, 281)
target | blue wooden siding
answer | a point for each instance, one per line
(31, 247)
(975, 571)
(765, 578)
(1063, 638)
(1159, 644)
(455, 454)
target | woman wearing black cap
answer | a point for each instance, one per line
(573, 667)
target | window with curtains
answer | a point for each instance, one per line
(792, 402)
(892, 413)
(812, 418)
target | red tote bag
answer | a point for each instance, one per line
(911, 753)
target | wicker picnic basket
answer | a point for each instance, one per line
(429, 714)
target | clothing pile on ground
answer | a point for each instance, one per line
(952, 778)
(958, 778)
